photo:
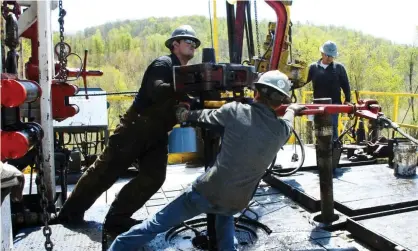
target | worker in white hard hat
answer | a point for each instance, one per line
(142, 135)
(328, 78)
(227, 187)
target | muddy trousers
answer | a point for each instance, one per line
(134, 138)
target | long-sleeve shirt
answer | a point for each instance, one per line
(158, 75)
(156, 97)
(327, 83)
(252, 136)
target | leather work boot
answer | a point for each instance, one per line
(74, 219)
(116, 225)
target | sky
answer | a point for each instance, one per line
(396, 21)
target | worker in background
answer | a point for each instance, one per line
(227, 187)
(328, 78)
(142, 134)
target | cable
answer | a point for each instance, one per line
(265, 53)
(273, 168)
(132, 93)
(290, 41)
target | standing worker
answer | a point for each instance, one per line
(141, 134)
(328, 78)
(227, 187)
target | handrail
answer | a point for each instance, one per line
(305, 94)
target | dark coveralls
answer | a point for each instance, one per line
(142, 134)
(327, 83)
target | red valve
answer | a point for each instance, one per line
(61, 109)
(16, 92)
(84, 73)
(14, 145)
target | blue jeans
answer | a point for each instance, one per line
(334, 126)
(188, 205)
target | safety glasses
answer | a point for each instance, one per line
(191, 42)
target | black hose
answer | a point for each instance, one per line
(284, 174)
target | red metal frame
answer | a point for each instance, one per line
(279, 34)
(238, 32)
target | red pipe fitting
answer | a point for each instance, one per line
(15, 144)
(16, 92)
(369, 109)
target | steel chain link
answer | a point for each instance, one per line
(47, 232)
(61, 57)
(256, 29)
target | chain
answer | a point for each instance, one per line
(44, 202)
(256, 29)
(62, 58)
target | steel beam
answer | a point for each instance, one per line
(27, 18)
(46, 64)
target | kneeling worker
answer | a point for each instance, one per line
(253, 135)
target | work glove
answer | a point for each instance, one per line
(296, 108)
(12, 181)
(182, 110)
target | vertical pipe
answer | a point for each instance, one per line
(215, 32)
(210, 152)
(303, 97)
(1, 49)
(323, 133)
(21, 70)
(45, 81)
(230, 22)
(239, 32)
(280, 32)
(250, 38)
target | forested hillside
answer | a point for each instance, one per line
(122, 50)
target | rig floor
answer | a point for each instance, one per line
(379, 212)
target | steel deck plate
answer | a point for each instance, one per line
(357, 190)
(388, 231)
(291, 229)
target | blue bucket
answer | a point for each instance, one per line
(182, 140)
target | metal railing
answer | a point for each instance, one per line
(306, 97)
(393, 99)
